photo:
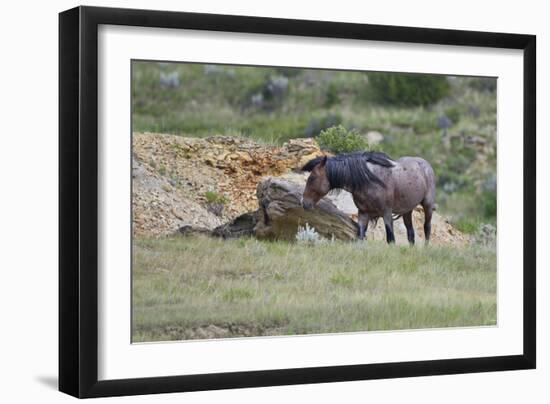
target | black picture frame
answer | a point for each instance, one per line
(78, 201)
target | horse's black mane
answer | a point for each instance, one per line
(350, 170)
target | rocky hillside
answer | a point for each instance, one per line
(181, 181)
(206, 182)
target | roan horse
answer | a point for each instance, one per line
(380, 186)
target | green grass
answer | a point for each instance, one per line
(467, 225)
(199, 287)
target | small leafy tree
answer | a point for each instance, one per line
(338, 139)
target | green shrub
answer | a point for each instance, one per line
(453, 113)
(489, 203)
(408, 89)
(331, 95)
(467, 225)
(338, 139)
(214, 197)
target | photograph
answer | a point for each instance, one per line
(243, 202)
(272, 201)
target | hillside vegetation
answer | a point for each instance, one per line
(450, 121)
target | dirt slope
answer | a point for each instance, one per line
(172, 175)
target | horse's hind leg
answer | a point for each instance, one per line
(407, 219)
(363, 222)
(429, 200)
(428, 210)
(388, 223)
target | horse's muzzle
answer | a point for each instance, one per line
(307, 205)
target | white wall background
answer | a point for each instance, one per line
(28, 202)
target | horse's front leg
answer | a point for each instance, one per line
(388, 223)
(363, 222)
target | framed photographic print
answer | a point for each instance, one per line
(251, 201)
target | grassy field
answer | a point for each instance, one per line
(199, 287)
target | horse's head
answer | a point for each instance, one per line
(317, 184)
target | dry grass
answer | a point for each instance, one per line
(198, 287)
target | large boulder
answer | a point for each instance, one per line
(242, 225)
(281, 213)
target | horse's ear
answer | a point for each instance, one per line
(323, 162)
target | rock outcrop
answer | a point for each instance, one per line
(173, 174)
(282, 213)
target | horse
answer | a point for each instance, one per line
(380, 186)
